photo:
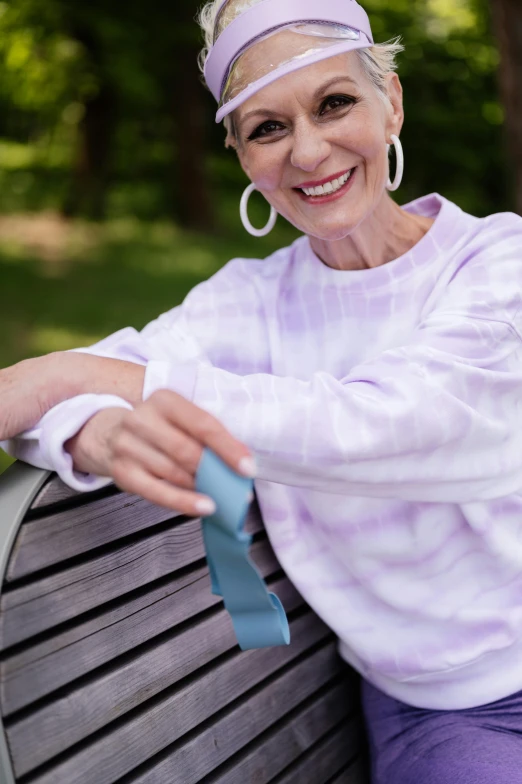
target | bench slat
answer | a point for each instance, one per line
(356, 773)
(41, 669)
(118, 666)
(80, 530)
(70, 533)
(109, 696)
(206, 750)
(333, 754)
(50, 601)
(56, 492)
(156, 727)
(282, 746)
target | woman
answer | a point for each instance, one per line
(374, 369)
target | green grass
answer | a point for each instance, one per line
(68, 285)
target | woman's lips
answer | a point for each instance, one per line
(329, 197)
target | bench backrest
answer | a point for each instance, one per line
(119, 665)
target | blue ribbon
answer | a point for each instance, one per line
(258, 616)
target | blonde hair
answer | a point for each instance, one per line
(377, 61)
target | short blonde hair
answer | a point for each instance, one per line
(377, 61)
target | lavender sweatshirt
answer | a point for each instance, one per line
(385, 410)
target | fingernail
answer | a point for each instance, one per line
(247, 467)
(205, 506)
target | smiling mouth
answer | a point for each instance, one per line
(328, 187)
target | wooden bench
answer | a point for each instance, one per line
(118, 665)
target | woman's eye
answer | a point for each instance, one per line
(265, 129)
(334, 102)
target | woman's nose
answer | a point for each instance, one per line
(310, 148)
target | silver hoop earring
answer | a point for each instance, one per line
(243, 211)
(399, 152)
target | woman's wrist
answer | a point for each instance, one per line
(79, 373)
(91, 448)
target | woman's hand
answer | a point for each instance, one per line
(29, 389)
(155, 450)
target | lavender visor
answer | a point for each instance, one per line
(269, 17)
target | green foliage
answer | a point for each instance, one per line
(43, 70)
(453, 131)
(452, 136)
(57, 56)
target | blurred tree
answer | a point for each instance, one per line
(453, 127)
(109, 91)
(507, 16)
(90, 169)
(173, 60)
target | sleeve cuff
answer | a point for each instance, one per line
(43, 446)
(178, 377)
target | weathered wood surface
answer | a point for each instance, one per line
(119, 666)
(83, 529)
(278, 749)
(56, 492)
(80, 530)
(356, 773)
(47, 602)
(207, 747)
(100, 700)
(46, 666)
(335, 756)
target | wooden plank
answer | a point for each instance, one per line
(50, 601)
(56, 492)
(69, 533)
(201, 753)
(356, 773)
(284, 745)
(112, 756)
(326, 759)
(72, 532)
(40, 669)
(94, 705)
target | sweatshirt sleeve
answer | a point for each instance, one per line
(208, 327)
(436, 420)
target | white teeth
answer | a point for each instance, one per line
(328, 187)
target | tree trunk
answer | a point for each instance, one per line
(187, 99)
(507, 19)
(194, 198)
(91, 167)
(95, 135)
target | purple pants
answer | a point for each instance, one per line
(415, 746)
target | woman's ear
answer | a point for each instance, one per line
(231, 137)
(230, 140)
(396, 117)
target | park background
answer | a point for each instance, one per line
(116, 193)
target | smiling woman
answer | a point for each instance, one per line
(373, 368)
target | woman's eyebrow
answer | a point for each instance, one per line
(331, 83)
(269, 114)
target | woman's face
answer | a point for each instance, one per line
(324, 126)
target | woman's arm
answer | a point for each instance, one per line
(439, 420)
(154, 451)
(47, 401)
(29, 389)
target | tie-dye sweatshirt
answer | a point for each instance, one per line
(385, 410)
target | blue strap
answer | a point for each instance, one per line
(258, 616)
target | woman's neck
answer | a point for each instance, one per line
(386, 234)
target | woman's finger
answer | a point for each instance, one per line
(150, 425)
(206, 429)
(133, 479)
(129, 447)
